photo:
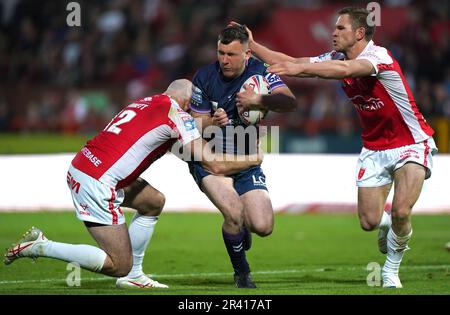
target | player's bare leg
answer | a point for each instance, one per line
(222, 194)
(115, 242)
(258, 211)
(148, 202)
(408, 186)
(371, 203)
(144, 198)
(258, 214)
(113, 258)
(408, 182)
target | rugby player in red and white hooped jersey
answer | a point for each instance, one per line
(397, 141)
(104, 175)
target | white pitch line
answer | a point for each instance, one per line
(219, 274)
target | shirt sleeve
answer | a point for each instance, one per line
(332, 55)
(379, 59)
(184, 128)
(274, 81)
(200, 102)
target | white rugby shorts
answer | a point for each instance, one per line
(376, 168)
(94, 201)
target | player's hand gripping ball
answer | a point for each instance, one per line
(259, 85)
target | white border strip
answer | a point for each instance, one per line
(296, 182)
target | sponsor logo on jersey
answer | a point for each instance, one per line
(371, 55)
(189, 123)
(85, 208)
(409, 153)
(72, 183)
(196, 95)
(274, 81)
(91, 157)
(260, 181)
(367, 104)
(188, 120)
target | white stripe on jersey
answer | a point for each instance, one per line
(393, 84)
(134, 156)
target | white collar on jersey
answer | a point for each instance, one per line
(369, 45)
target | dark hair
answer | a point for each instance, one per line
(358, 17)
(232, 33)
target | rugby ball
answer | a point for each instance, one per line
(259, 85)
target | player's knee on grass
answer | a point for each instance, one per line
(124, 268)
(118, 266)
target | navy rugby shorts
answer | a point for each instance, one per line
(244, 181)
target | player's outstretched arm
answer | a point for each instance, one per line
(223, 164)
(332, 69)
(281, 100)
(267, 55)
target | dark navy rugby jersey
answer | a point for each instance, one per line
(212, 90)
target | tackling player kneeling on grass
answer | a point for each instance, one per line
(104, 175)
(397, 141)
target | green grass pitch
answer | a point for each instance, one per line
(306, 254)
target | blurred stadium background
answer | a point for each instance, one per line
(71, 80)
(59, 85)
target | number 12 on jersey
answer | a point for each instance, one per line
(120, 119)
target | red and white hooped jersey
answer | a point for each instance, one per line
(388, 112)
(136, 137)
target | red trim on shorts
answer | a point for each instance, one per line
(111, 206)
(427, 150)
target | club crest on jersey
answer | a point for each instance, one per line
(361, 172)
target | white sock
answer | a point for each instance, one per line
(141, 231)
(87, 256)
(385, 222)
(396, 247)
